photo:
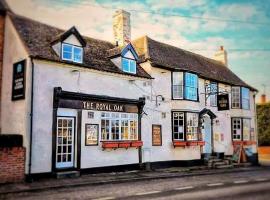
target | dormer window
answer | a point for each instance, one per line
(129, 65)
(72, 53)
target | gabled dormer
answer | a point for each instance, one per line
(125, 58)
(69, 46)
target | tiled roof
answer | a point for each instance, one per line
(38, 37)
(174, 58)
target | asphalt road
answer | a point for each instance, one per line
(240, 185)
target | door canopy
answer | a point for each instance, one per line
(208, 112)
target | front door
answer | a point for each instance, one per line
(65, 142)
(207, 134)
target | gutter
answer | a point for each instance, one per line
(29, 176)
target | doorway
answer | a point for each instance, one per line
(207, 134)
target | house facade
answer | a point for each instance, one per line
(89, 105)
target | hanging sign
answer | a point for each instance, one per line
(156, 135)
(18, 81)
(223, 102)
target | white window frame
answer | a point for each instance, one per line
(181, 86)
(72, 53)
(235, 129)
(129, 65)
(213, 97)
(195, 87)
(183, 131)
(246, 121)
(120, 117)
(245, 99)
(193, 127)
(234, 97)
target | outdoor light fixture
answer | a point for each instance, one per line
(162, 99)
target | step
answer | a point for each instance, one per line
(247, 164)
(220, 163)
(224, 166)
(67, 174)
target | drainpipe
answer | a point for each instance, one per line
(256, 126)
(29, 177)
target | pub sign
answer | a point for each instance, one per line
(18, 81)
(156, 135)
(223, 102)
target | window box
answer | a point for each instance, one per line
(136, 144)
(124, 145)
(179, 143)
(237, 143)
(201, 143)
(249, 142)
(109, 145)
(192, 143)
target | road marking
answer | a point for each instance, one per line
(146, 193)
(105, 198)
(214, 184)
(184, 188)
(261, 179)
(241, 181)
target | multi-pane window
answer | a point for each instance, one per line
(119, 126)
(177, 85)
(72, 53)
(213, 93)
(235, 97)
(129, 65)
(245, 98)
(191, 86)
(178, 125)
(236, 128)
(192, 126)
(246, 129)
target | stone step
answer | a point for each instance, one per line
(247, 164)
(220, 163)
(224, 166)
(67, 174)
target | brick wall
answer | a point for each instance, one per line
(12, 163)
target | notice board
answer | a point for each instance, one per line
(156, 135)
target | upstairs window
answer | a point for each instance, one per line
(236, 97)
(72, 53)
(245, 98)
(213, 96)
(129, 65)
(191, 86)
(177, 86)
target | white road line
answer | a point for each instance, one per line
(241, 181)
(105, 198)
(214, 184)
(261, 179)
(146, 193)
(184, 188)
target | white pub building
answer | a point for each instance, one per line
(87, 105)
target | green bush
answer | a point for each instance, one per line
(263, 112)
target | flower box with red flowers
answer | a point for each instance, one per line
(136, 143)
(179, 143)
(249, 142)
(201, 143)
(192, 143)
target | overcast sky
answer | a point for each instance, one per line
(248, 44)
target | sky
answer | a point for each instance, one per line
(201, 26)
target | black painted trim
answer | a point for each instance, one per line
(79, 132)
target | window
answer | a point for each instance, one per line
(245, 98)
(178, 125)
(72, 53)
(235, 97)
(236, 128)
(177, 86)
(191, 86)
(129, 65)
(213, 95)
(119, 126)
(192, 126)
(246, 129)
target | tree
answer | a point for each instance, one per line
(263, 113)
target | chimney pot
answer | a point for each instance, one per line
(121, 27)
(263, 98)
(221, 48)
(221, 56)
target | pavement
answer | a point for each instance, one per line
(47, 184)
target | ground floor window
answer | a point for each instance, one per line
(185, 125)
(241, 128)
(119, 126)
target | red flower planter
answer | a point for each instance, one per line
(109, 145)
(136, 144)
(201, 143)
(124, 145)
(193, 143)
(121, 144)
(179, 143)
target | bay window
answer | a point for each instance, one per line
(235, 97)
(184, 86)
(245, 98)
(119, 126)
(192, 126)
(241, 129)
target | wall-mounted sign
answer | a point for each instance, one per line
(99, 106)
(223, 102)
(18, 81)
(156, 135)
(91, 134)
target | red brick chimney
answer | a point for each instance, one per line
(263, 99)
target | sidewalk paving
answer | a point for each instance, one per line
(115, 177)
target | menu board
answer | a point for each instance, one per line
(18, 81)
(156, 135)
(91, 134)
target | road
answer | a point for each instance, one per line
(240, 185)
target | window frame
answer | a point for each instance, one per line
(215, 95)
(232, 129)
(242, 98)
(72, 52)
(241, 128)
(184, 125)
(184, 86)
(129, 61)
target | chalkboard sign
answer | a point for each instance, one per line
(156, 135)
(223, 102)
(18, 81)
